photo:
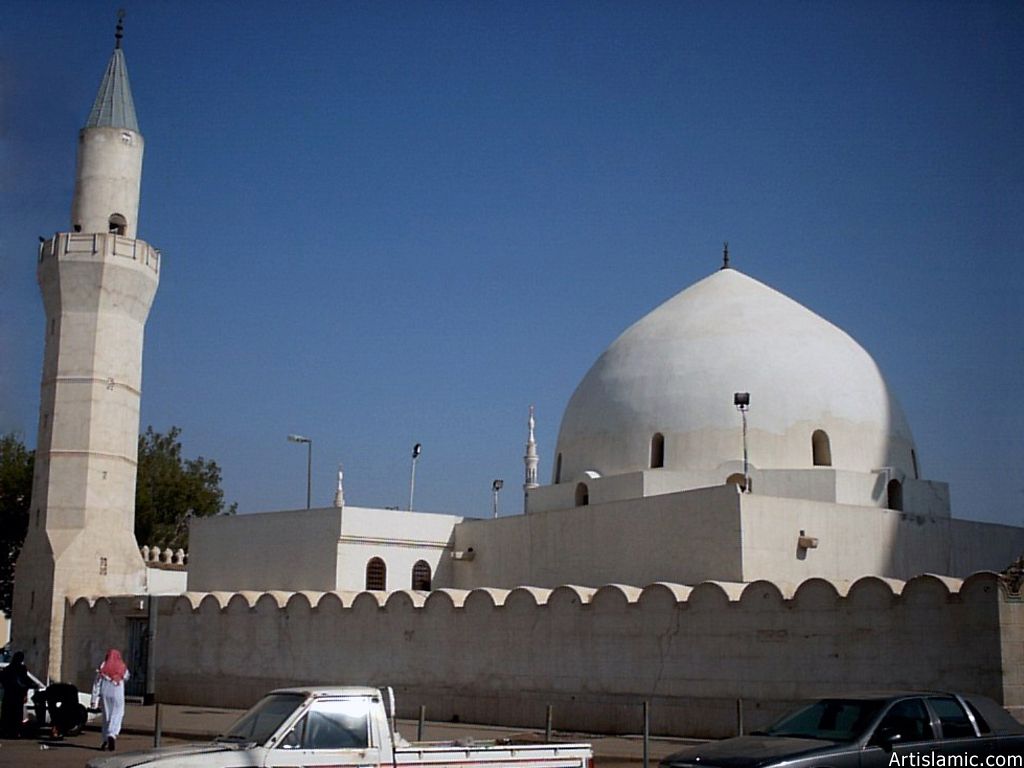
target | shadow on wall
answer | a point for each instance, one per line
(901, 465)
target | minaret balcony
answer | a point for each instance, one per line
(99, 246)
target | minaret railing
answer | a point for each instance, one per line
(105, 244)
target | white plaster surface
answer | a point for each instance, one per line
(318, 549)
(675, 372)
(501, 656)
(682, 537)
(97, 289)
(164, 581)
(107, 179)
(720, 533)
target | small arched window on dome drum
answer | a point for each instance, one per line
(421, 576)
(913, 460)
(376, 575)
(117, 224)
(657, 451)
(894, 493)
(558, 469)
(582, 495)
(821, 449)
(737, 478)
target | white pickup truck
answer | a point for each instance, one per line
(341, 727)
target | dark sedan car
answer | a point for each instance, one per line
(910, 730)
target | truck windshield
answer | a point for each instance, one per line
(262, 721)
(829, 719)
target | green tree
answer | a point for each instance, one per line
(16, 463)
(172, 489)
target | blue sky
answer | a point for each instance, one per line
(395, 222)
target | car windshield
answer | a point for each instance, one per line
(829, 719)
(262, 721)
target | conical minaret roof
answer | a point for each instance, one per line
(114, 107)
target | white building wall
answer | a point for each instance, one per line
(683, 537)
(500, 656)
(272, 550)
(321, 549)
(166, 581)
(687, 537)
(864, 489)
(400, 539)
(984, 546)
(856, 541)
(720, 533)
(852, 541)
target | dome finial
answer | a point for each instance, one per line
(725, 255)
(119, 33)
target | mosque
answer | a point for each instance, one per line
(649, 480)
(736, 511)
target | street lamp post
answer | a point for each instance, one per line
(742, 402)
(416, 451)
(495, 487)
(309, 463)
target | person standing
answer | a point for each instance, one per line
(109, 690)
(16, 683)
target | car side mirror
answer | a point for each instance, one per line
(887, 736)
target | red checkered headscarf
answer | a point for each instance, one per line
(113, 667)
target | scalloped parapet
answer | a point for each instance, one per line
(815, 590)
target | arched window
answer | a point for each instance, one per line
(821, 449)
(421, 576)
(913, 460)
(657, 450)
(376, 574)
(894, 491)
(737, 478)
(558, 469)
(582, 495)
(117, 224)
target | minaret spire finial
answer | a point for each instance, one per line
(725, 255)
(119, 33)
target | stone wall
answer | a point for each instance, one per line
(497, 656)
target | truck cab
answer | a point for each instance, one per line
(333, 726)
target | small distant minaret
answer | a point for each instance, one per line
(339, 495)
(531, 459)
(97, 282)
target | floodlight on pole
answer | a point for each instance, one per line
(416, 451)
(496, 486)
(742, 402)
(309, 463)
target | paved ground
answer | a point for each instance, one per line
(181, 723)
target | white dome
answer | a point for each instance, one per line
(674, 373)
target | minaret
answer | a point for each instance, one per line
(339, 495)
(531, 459)
(97, 282)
